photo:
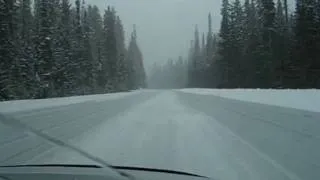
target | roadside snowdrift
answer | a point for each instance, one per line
(32, 104)
(300, 99)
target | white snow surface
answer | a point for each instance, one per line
(168, 129)
(308, 99)
(26, 105)
(163, 133)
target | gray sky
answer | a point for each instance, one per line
(165, 27)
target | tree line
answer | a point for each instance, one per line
(171, 75)
(56, 49)
(261, 44)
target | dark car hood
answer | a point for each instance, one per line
(91, 173)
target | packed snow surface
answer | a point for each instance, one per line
(208, 135)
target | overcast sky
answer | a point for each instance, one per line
(165, 27)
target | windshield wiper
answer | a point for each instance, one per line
(54, 165)
(156, 170)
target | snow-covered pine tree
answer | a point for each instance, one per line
(236, 44)
(8, 49)
(88, 66)
(190, 65)
(263, 53)
(23, 71)
(63, 52)
(306, 51)
(222, 64)
(77, 50)
(44, 49)
(141, 73)
(137, 75)
(95, 24)
(197, 59)
(209, 40)
(209, 53)
(203, 52)
(286, 10)
(281, 48)
(122, 64)
(109, 50)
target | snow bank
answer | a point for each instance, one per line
(25, 105)
(299, 99)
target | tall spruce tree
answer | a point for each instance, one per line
(23, 71)
(7, 49)
(110, 49)
(222, 64)
(306, 61)
(122, 64)
(88, 67)
(44, 50)
(96, 29)
(137, 75)
(63, 51)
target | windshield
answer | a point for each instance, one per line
(226, 89)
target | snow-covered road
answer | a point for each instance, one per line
(204, 134)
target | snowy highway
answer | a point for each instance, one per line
(217, 137)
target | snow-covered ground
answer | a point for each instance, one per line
(26, 105)
(300, 99)
(163, 132)
(203, 134)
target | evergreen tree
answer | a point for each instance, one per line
(222, 64)
(78, 50)
(137, 75)
(23, 71)
(7, 49)
(285, 5)
(203, 45)
(197, 64)
(88, 66)
(306, 63)
(250, 41)
(209, 38)
(95, 34)
(110, 54)
(261, 45)
(235, 41)
(44, 50)
(122, 64)
(209, 52)
(191, 65)
(264, 48)
(61, 51)
(281, 49)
